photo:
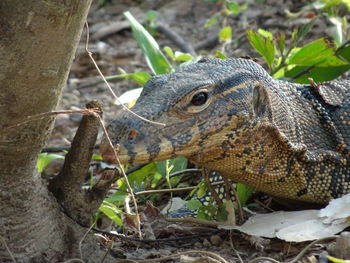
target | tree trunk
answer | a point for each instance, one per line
(38, 40)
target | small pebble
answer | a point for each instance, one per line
(216, 240)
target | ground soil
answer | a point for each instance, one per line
(119, 50)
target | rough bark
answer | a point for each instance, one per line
(37, 45)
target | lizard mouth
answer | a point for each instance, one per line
(135, 154)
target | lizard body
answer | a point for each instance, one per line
(285, 139)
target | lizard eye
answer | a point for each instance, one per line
(199, 98)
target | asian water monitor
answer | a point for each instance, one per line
(285, 139)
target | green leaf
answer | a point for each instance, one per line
(193, 204)
(154, 57)
(140, 179)
(207, 212)
(337, 260)
(225, 34)
(169, 52)
(319, 53)
(344, 53)
(212, 21)
(298, 35)
(263, 45)
(118, 196)
(243, 193)
(44, 159)
(221, 213)
(139, 77)
(179, 56)
(232, 6)
(202, 189)
(97, 157)
(179, 164)
(265, 34)
(112, 212)
(151, 16)
(218, 54)
(318, 74)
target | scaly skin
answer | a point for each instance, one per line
(285, 139)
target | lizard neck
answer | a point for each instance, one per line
(256, 159)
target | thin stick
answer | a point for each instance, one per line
(301, 254)
(255, 260)
(74, 260)
(159, 240)
(234, 249)
(213, 256)
(45, 114)
(173, 190)
(194, 221)
(131, 192)
(107, 84)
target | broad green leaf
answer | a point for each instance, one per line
(154, 57)
(194, 204)
(218, 54)
(140, 179)
(265, 34)
(320, 53)
(155, 179)
(112, 212)
(243, 193)
(44, 159)
(225, 34)
(263, 45)
(318, 74)
(169, 52)
(179, 56)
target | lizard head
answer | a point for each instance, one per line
(199, 106)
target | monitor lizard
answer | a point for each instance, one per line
(288, 140)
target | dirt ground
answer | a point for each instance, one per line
(113, 47)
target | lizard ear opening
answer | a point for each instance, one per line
(275, 113)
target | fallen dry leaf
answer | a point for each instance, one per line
(300, 226)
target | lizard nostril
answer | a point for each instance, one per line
(132, 135)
